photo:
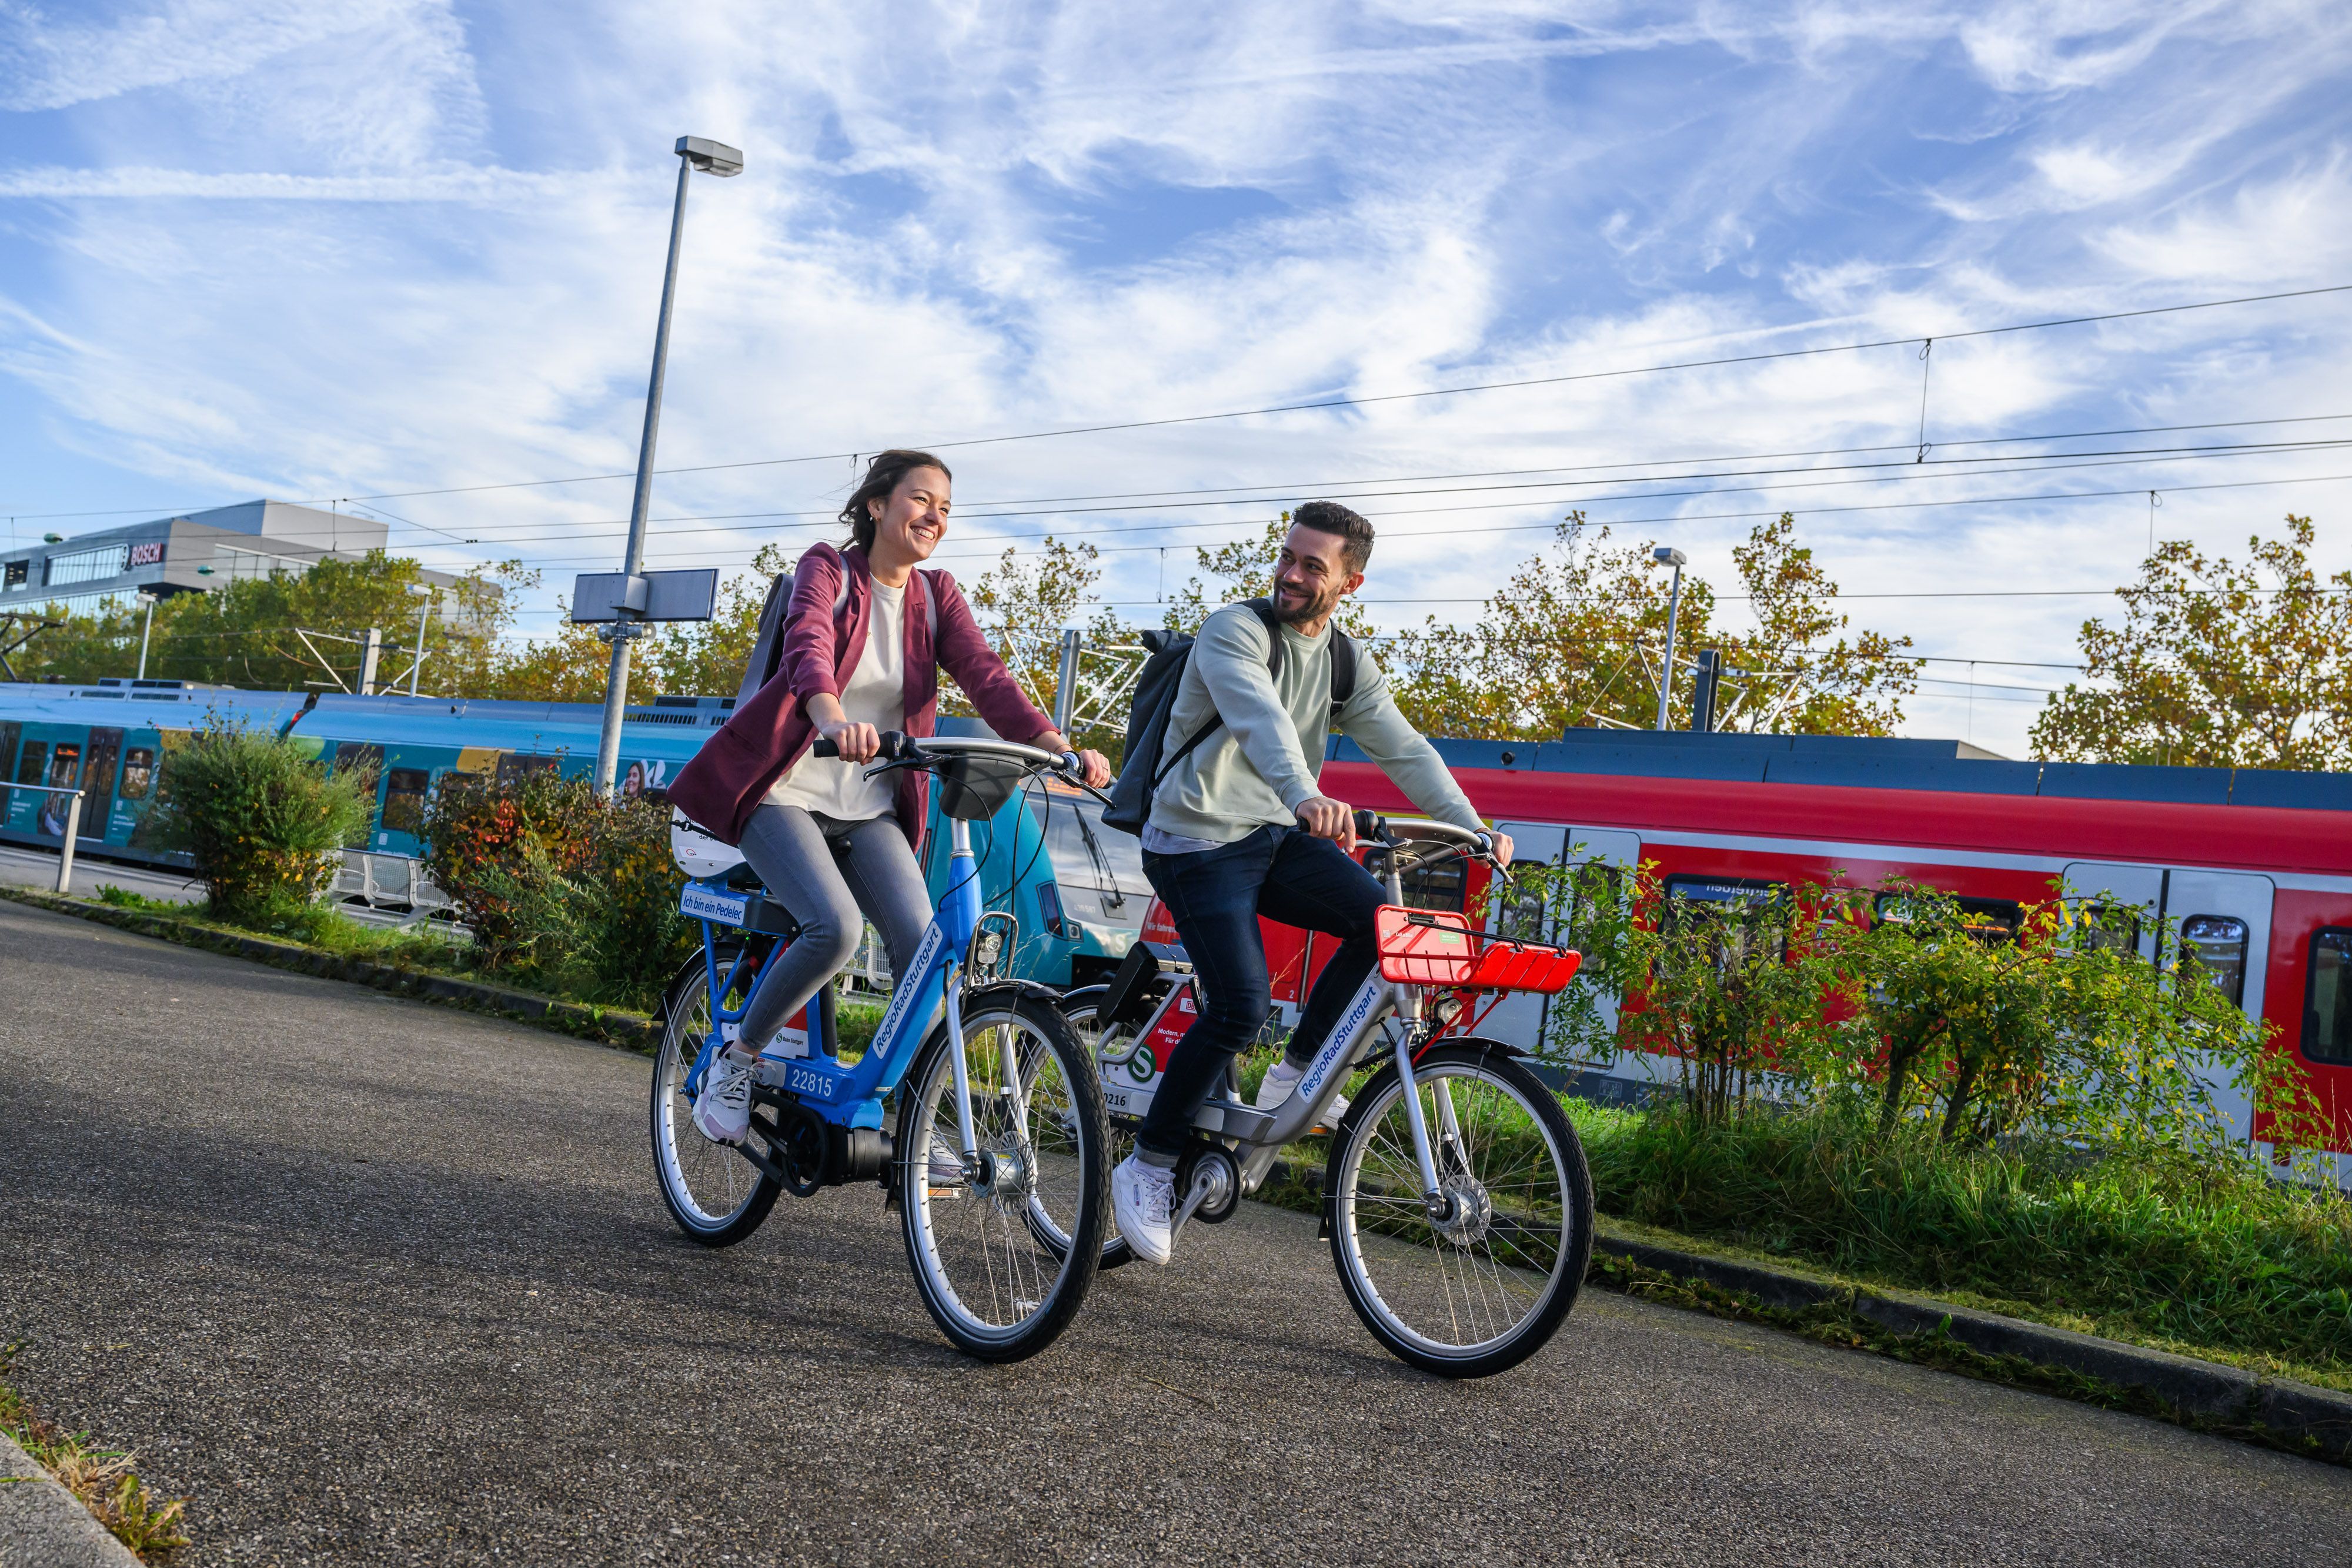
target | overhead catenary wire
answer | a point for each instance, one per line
(1368, 400)
(972, 550)
(1895, 470)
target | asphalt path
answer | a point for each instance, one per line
(374, 1281)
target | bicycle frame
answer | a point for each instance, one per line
(852, 1096)
(1378, 1005)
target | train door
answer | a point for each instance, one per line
(2136, 886)
(98, 782)
(2223, 919)
(1519, 1017)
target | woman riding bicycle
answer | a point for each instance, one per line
(863, 641)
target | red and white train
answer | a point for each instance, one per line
(2254, 867)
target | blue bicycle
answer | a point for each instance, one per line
(997, 1153)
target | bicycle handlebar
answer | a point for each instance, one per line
(901, 749)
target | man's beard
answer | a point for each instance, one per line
(1314, 607)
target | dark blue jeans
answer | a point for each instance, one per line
(1216, 898)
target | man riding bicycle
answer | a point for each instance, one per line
(1239, 828)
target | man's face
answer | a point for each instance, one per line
(1311, 577)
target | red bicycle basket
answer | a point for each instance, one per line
(1437, 948)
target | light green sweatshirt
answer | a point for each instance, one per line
(1256, 770)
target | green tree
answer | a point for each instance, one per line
(1575, 637)
(2215, 663)
(1024, 604)
(249, 632)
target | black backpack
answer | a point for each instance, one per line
(1141, 769)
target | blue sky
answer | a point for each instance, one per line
(352, 248)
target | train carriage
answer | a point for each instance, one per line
(2254, 867)
(109, 739)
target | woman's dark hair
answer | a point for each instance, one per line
(881, 481)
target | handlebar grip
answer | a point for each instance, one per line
(1368, 824)
(896, 745)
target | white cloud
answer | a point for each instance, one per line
(386, 248)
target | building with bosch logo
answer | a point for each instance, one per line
(184, 554)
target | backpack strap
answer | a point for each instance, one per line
(1343, 680)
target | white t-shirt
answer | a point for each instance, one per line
(875, 694)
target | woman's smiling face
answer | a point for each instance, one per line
(915, 518)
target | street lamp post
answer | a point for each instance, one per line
(145, 630)
(713, 158)
(1666, 555)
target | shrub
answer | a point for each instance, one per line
(564, 890)
(2159, 1244)
(264, 822)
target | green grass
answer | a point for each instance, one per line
(2161, 1249)
(102, 1479)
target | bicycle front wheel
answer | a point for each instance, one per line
(1484, 1285)
(1004, 1254)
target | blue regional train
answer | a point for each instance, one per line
(110, 739)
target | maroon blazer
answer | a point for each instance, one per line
(731, 774)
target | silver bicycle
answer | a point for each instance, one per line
(1456, 1196)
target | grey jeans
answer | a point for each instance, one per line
(826, 872)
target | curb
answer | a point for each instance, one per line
(2208, 1397)
(42, 1525)
(605, 1026)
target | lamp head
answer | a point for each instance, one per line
(1666, 555)
(710, 157)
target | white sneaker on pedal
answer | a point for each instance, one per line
(722, 1112)
(1281, 1082)
(1143, 1202)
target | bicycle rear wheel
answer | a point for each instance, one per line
(1483, 1287)
(1004, 1255)
(716, 1196)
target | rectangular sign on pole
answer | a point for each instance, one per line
(689, 595)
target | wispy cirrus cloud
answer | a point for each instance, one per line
(370, 246)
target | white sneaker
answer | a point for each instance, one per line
(1143, 1201)
(722, 1112)
(1281, 1082)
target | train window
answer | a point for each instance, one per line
(351, 754)
(2327, 999)
(2113, 927)
(33, 763)
(404, 801)
(515, 767)
(1436, 887)
(17, 572)
(1988, 919)
(2219, 942)
(65, 766)
(138, 772)
(1700, 891)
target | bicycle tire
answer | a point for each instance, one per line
(678, 1145)
(1007, 1325)
(1491, 1256)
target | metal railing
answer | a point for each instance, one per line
(73, 823)
(389, 882)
